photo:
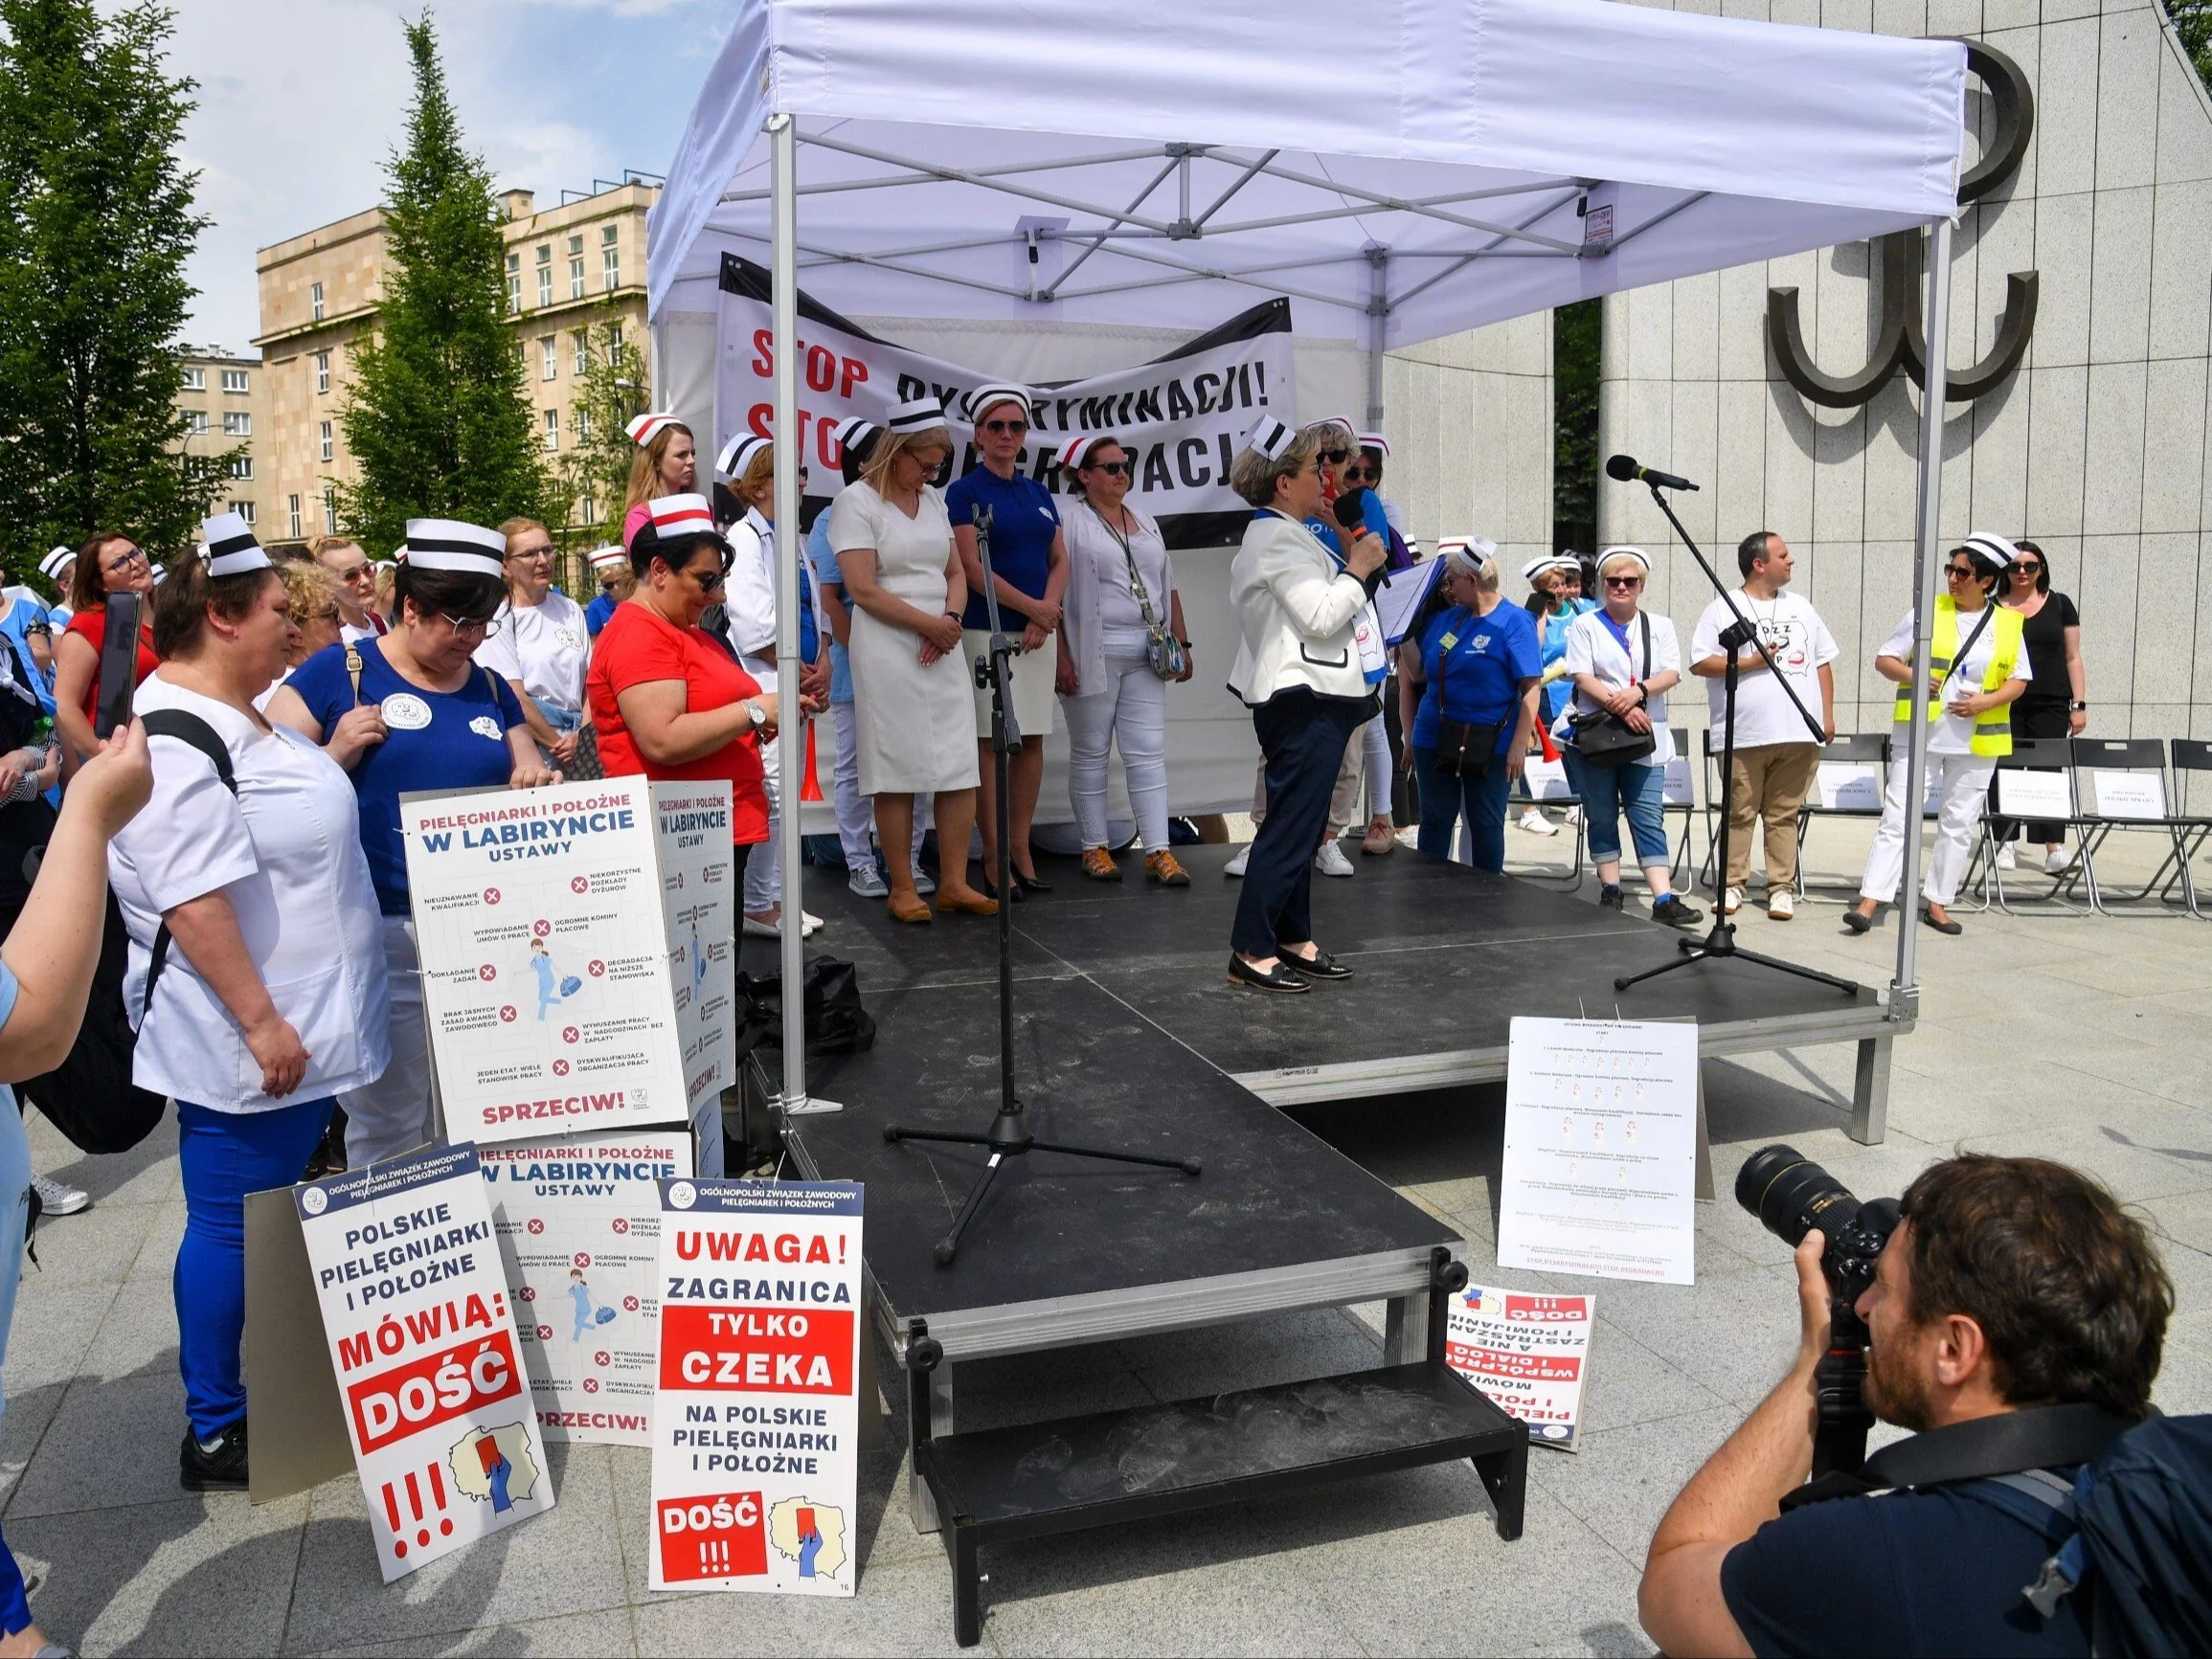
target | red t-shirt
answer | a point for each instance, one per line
(92, 625)
(639, 645)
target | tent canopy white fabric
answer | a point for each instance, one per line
(1422, 165)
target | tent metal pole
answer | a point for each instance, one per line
(1903, 991)
(1378, 328)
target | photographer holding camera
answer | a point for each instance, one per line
(2013, 1319)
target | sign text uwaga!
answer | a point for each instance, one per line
(757, 1423)
(422, 1339)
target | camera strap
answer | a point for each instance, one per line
(2040, 1437)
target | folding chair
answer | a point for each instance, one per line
(1709, 770)
(2126, 779)
(2035, 782)
(1680, 794)
(2190, 756)
(1848, 783)
(1544, 783)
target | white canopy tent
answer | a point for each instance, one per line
(1404, 171)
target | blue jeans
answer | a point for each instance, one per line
(1609, 791)
(15, 1216)
(1445, 799)
(223, 1156)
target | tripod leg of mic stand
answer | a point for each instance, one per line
(949, 1247)
(1189, 1166)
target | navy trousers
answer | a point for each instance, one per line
(1303, 736)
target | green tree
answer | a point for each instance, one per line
(96, 222)
(2193, 22)
(436, 415)
(594, 470)
(1576, 331)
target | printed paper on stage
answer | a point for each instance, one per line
(1528, 1354)
(1600, 1168)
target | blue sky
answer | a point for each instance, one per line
(301, 100)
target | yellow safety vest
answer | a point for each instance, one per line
(1992, 727)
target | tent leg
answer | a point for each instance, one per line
(790, 548)
(1905, 990)
(1378, 328)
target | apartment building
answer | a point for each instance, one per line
(220, 399)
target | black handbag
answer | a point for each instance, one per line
(1464, 750)
(1604, 738)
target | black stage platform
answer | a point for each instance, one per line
(1129, 1036)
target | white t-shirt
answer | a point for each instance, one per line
(1951, 734)
(1591, 649)
(348, 634)
(1792, 630)
(286, 852)
(545, 646)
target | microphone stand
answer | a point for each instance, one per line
(1009, 1135)
(1720, 942)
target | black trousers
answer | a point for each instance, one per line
(2036, 720)
(1302, 738)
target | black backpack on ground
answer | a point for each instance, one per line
(836, 1021)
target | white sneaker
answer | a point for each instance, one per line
(1537, 825)
(57, 1199)
(867, 882)
(924, 883)
(809, 925)
(2007, 859)
(1782, 905)
(1330, 861)
(1235, 866)
(2058, 863)
(1575, 815)
(756, 929)
(1731, 900)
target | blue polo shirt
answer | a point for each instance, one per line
(1475, 665)
(599, 613)
(1023, 520)
(439, 740)
(827, 572)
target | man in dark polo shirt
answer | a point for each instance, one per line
(2009, 1283)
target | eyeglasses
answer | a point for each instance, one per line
(487, 626)
(1118, 469)
(709, 581)
(1631, 582)
(361, 572)
(123, 562)
(1014, 426)
(544, 552)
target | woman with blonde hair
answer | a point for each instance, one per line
(667, 464)
(913, 702)
(315, 612)
(540, 645)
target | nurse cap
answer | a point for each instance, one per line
(1536, 567)
(230, 548)
(852, 431)
(683, 515)
(451, 545)
(1998, 550)
(1375, 441)
(978, 402)
(160, 574)
(916, 414)
(1624, 552)
(55, 564)
(608, 558)
(646, 428)
(1479, 552)
(1077, 450)
(1270, 436)
(738, 453)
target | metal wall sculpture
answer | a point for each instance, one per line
(1901, 338)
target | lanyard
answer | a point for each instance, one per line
(1620, 631)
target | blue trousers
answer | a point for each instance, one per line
(1445, 799)
(1609, 791)
(1302, 737)
(223, 1156)
(15, 1216)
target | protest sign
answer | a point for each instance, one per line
(1181, 416)
(756, 1424)
(407, 1271)
(546, 960)
(698, 880)
(1599, 1172)
(579, 1234)
(1528, 1354)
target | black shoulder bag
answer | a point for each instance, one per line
(1602, 737)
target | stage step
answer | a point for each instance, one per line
(1189, 1454)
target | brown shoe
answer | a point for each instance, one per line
(1100, 866)
(1162, 867)
(1379, 838)
(973, 904)
(909, 907)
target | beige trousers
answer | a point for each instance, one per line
(1771, 781)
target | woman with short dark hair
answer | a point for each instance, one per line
(412, 710)
(2055, 704)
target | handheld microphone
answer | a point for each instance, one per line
(1351, 510)
(1625, 470)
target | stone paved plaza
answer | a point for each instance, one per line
(2086, 1039)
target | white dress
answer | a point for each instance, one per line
(915, 724)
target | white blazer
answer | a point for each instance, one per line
(1296, 606)
(749, 596)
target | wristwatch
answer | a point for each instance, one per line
(2077, 706)
(757, 714)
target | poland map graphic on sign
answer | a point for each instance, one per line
(545, 969)
(407, 1271)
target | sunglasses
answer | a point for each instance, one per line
(1014, 426)
(1624, 581)
(1118, 469)
(2023, 567)
(709, 581)
(1960, 573)
(1333, 456)
(1363, 475)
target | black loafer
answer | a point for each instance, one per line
(1279, 977)
(219, 1468)
(1942, 927)
(990, 888)
(1321, 965)
(1031, 883)
(1856, 922)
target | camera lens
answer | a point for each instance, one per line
(1792, 1195)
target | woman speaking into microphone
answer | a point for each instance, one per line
(1299, 670)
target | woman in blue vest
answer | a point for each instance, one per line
(1477, 684)
(1979, 668)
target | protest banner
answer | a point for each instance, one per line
(547, 965)
(698, 883)
(407, 1271)
(756, 1424)
(1601, 1166)
(579, 1234)
(1181, 417)
(1528, 1354)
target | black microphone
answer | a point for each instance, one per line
(1625, 470)
(1351, 510)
